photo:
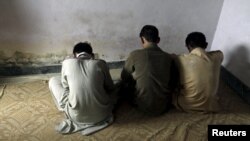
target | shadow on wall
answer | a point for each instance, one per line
(238, 63)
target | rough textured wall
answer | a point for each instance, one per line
(233, 38)
(43, 32)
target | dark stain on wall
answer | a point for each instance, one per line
(21, 63)
(30, 59)
(56, 68)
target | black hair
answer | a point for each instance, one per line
(83, 47)
(150, 33)
(196, 39)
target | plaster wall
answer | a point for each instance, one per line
(233, 38)
(43, 32)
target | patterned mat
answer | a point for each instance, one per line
(27, 113)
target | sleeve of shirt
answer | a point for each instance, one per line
(64, 77)
(174, 76)
(128, 68)
(218, 55)
(221, 55)
(174, 82)
(108, 82)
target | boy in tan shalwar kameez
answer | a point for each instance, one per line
(199, 73)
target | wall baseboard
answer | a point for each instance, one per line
(29, 70)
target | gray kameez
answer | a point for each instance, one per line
(84, 93)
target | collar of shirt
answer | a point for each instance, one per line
(199, 52)
(84, 55)
(152, 46)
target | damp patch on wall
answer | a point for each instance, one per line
(30, 59)
(29, 70)
(21, 63)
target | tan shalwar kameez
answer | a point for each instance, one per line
(199, 79)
